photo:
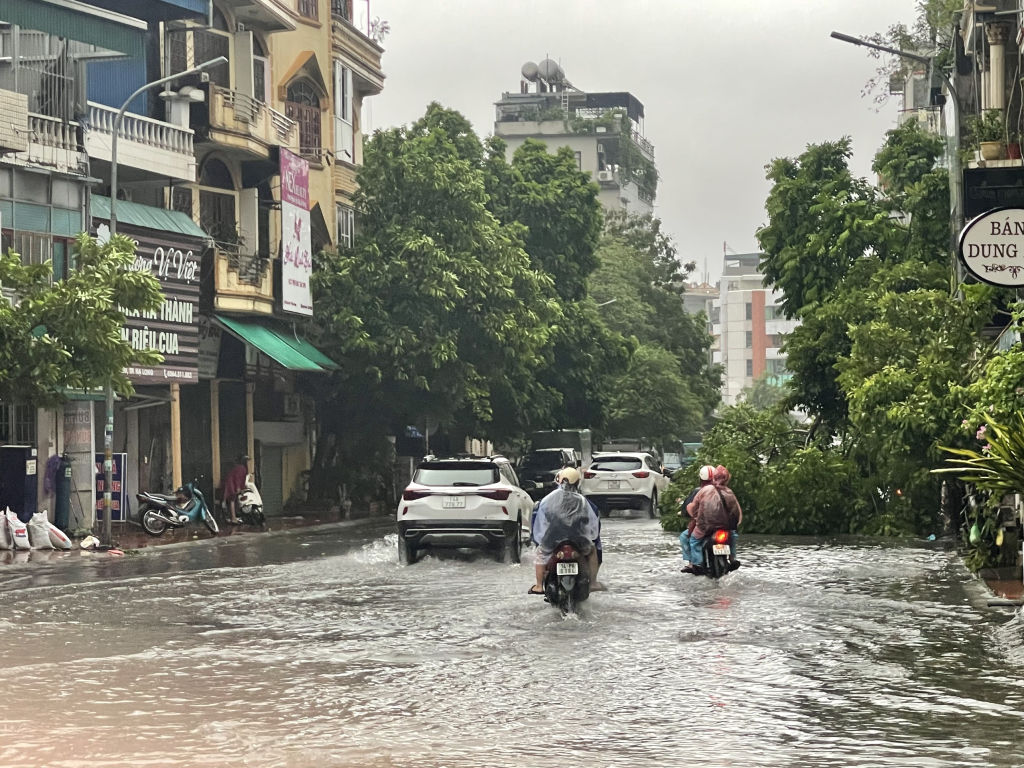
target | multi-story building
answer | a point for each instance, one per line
(604, 130)
(240, 174)
(748, 328)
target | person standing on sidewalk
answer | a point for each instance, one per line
(232, 485)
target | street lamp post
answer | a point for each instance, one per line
(956, 192)
(108, 432)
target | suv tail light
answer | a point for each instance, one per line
(642, 474)
(589, 475)
(413, 495)
(500, 495)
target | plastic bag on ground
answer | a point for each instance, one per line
(58, 538)
(18, 531)
(39, 531)
(5, 536)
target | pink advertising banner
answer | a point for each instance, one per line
(296, 248)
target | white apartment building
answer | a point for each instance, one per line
(748, 328)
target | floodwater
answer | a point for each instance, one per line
(318, 649)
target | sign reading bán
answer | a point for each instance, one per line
(172, 330)
(992, 247)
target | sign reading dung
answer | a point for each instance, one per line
(992, 247)
(296, 250)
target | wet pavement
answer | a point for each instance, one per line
(316, 648)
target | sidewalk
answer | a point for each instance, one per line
(1005, 584)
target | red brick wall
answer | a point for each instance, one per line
(760, 340)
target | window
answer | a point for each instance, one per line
(17, 424)
(340, 9)
(772, 313)
(716, 315)
(750, 339)
(188, 47)
(615, 465)
(750, 312)
(579, 160)
(209, 45)
(217, 214)
(776, 340)
(261, 83)
(308, 8)
(750, 367)
(33, 248)
(346, 226)
(181, 200)
(344, 132)
(303, 106)
(777, 366)
(456, 474)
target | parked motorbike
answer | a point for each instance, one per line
(187, 505)
(566, 578)
(250, 503)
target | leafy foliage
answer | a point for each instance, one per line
(77, 343)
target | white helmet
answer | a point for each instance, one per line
(569, 475)
(706, 473)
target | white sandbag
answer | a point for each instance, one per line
(5, 536)
(39, 531)
(18, 531)
(58, 538)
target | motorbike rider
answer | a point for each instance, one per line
(689, 557)
(566, 515)
(715, 507)
(232, 485)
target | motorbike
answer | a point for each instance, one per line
(717, 554)
(250, 503)
(187, 505)
(566, 578)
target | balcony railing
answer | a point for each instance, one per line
(142, 130)
(251, 268)
(641, 142)
(265, 124)
(51, 132)
(645, 196)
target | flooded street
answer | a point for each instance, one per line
(305, 650)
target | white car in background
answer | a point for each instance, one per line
(624, 481)
(464, 502)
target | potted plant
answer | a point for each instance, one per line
(989, 131)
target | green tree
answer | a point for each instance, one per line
(764, 393)
(66, 334)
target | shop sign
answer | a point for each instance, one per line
(118, 487)
(173, 330)
(209, 348)
(992, 247)
(296, 247)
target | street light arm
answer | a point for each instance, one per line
(885, 49)
(120, 118)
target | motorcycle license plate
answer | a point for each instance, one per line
(454, 502)
(613, 485)
(721, 549)
(567, 569)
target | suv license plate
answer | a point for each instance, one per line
(567, 569)
(454, 502)
(613, 485)
(721, 549)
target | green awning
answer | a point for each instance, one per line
(294, 353)
(112, 32)
(148, 217)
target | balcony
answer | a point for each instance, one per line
(243, 282)
(238, 121)
(929, 119)
(143, 143)
(55, 144)
(361, 52)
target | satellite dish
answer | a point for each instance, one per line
(550, 71)
(530, 72)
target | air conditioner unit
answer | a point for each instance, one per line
(606, 176)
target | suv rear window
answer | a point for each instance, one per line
(615, 465)
(456, 473)
(544, 460)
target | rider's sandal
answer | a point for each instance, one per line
(534, 591)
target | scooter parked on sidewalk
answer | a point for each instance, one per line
(250, 503)
(158, 511)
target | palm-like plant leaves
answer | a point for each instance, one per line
(1000, 469)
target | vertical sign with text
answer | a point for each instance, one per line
(118, 487)
(296, 249)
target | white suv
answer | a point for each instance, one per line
(624, 481)
(475, 502)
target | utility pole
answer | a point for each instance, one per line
(108, 432)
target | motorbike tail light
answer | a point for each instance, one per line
(413, 495)
(589, 475)
(498, 495)
(642, 474)
(721, 537)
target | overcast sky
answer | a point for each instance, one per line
(726, 86)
